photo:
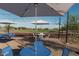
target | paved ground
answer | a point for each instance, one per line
(58, 52)
(19, 43)
(74, 47)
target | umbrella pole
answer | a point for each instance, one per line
(67, 27)
(8, 28)
(36, 28)
(59, 27)
(36, 4)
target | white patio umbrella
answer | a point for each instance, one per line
(43, 9)
(40, 22)
(8, 22)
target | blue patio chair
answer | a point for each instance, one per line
(1, 36)
(65, 52)
(7, 51)
(10, 34)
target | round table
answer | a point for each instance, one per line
(43, 52)
(27, 52)
(37, 50)
(30, 52)
(40, 49)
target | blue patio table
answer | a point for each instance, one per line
(31, 52)
(43, 52)
(1, 36)
(37, 50)
(10, 34)
(40, 49)
(27, 52)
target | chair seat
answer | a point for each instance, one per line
(10, 34)
(7, 51)
(66, 52)
(1, 35)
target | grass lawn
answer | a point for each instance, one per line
(44, 31)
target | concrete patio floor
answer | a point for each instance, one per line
(18, 43)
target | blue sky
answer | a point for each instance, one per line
(25, 21)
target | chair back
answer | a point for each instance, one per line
(10, 34)
(1, 35)
(66, 52)
(7, 51)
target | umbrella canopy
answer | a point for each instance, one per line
(43, 9)
(6, 21)
(40, 22)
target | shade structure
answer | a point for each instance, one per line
(8, 22)
(43, 9)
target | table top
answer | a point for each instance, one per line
(32, 52)
(27, 52)
(43, 52)
(37, 50)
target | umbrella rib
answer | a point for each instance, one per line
(29, 6)
(26, 9)
(52, 9)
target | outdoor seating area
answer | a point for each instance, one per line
(18, 46)
(46, 29)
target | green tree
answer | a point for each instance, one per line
(73, 24)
